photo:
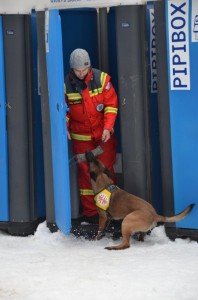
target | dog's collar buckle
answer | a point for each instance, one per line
(112, 188)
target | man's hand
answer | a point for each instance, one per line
(106, 135)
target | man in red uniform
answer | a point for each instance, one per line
(93, 107)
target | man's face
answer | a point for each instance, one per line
(81, 73)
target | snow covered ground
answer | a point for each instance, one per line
(50, 266)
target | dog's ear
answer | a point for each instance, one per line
(107, 172)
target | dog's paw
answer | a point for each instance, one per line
(97, 237)
(93, 238)
(110, 248)
(118, 247)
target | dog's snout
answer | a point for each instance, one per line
(89, 156)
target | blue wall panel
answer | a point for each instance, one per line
(79, 30)
(4, 215)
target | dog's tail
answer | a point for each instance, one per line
(177, 217)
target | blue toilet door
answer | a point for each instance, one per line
(57, 105)
(183, 91)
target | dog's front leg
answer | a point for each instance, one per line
(102, 224)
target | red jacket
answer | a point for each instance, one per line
(93, 108)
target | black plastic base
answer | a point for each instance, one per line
(173, 233)
(21, 228)
(52, 227)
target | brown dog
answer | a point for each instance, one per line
(138, 215)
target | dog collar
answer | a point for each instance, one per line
(102, 199)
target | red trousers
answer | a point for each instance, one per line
(108, 158)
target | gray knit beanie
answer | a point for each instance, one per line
(79, 58)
